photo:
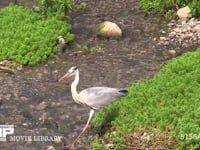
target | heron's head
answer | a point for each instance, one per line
(71, 72)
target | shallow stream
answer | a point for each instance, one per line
(37, 104)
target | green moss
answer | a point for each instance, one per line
(54, 8)
(28, 38)
(96, 144)
(171, 98)
(168, 6)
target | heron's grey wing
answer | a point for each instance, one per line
(98, 97)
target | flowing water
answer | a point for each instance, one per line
(37, 104)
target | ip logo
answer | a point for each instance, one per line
(5, 130)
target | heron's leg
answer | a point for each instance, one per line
(84, 129)
(102, 128)
(92, 111)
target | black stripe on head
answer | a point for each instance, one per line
(75, 68)
(72, 69)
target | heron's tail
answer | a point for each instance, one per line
(124, 92)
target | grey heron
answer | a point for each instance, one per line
(94, 97)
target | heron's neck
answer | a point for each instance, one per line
(74, 86)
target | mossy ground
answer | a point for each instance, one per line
(169, 7)
(169, 102)
(27, 37)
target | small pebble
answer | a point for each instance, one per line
(42, 106)
(172, 52)
(109, 146)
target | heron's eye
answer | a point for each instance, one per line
(74, 68)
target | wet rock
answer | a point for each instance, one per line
(43, 117)
(23, 98)
(108, 29)
(163, 32)
(172, 52)
(163, 38)
(25, 124)
(42, 106)
(61, 45)
(171, 24)
(55, 72)
(146, 136)
(39, 75)
(109, 146)
(184, 13)
(166, 43)
(55, 104)
(197, 28)
(51, 148)
(19, 68)
(7, 96)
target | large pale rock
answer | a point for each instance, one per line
(108, 29)
(184, 13)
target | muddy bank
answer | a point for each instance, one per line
(37, 104)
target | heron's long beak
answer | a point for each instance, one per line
(67, 75)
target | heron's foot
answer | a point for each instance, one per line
(101, 130)
(69, 147)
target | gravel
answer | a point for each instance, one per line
(182, 34)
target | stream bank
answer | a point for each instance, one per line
(37, 104)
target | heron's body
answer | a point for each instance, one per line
(94, 97)
(99, 97)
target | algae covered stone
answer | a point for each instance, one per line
(108, 29)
